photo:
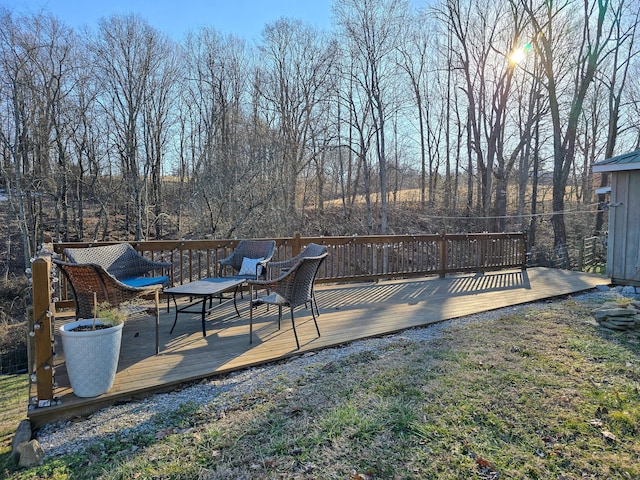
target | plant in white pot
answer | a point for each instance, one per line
(92, 349)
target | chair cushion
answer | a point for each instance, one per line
(272, 299)
(145, 281)
(249, 266)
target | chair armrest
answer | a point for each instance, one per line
(262, 283)
(278, 279)
(223, 263)
(265, 267)
(279, 267)
(227, 261)
(284, 264)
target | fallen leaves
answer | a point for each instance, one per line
(487, 469)
(595, 422)
(361, 476)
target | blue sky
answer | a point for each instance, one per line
(244, 18)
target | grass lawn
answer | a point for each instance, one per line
(14, 392)
(543, 393)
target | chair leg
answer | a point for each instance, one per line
(279, 315)
(157, 314)
(314, 302)
(293, 322)
(250, 314)
(314, 318)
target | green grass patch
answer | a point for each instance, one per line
(14, 392)
(535, 395)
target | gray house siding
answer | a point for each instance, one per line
(623, 254)
(623, 248)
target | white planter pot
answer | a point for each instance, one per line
(91, 357)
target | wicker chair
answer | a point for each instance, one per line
(278, 268)
(251, 249)
(291, 289)
(122, 261)
(87, 279)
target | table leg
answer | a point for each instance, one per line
(204, 311)
(250, 313)
(176, 319)
(235, 293)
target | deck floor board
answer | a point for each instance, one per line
(347, 313)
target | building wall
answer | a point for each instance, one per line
(623, 254)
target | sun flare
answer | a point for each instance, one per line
(518, 55)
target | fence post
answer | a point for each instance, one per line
(581, 255)
(296, 245)
(41, 333)
(523, 249)
(443, 255)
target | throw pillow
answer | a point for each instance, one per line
(249, 266)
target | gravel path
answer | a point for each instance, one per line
(219, 394)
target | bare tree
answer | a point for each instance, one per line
(83, 118)
(298, 62)
(614, 77)
(359, 144)
(225, 136)
(485, 34)
(414, 57)
(158, 123)
(35, 69)
(16, 51)
(561, 52)
(128, 53)
(373, 30)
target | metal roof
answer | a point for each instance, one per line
(626, 161)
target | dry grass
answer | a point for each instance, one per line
(14, 391)
(543, 393)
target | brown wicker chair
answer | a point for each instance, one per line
(122, 261)
(87, 279)
(291, 289)
(253, 249)
(278, 268)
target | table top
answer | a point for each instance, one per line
(206, 286)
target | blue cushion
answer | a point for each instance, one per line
(145, 281)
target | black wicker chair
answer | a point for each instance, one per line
(291, 289)
(261, 250)
(275, 269)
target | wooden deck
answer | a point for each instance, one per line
(347, 313)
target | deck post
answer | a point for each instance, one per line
(296, 245)
(524, 238)
(581, 255)
(42, 367)
(443, 255)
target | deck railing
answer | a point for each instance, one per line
(351, 258)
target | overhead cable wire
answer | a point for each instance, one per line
(524, 215)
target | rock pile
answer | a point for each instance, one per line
(25, 451)
(616, 316)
